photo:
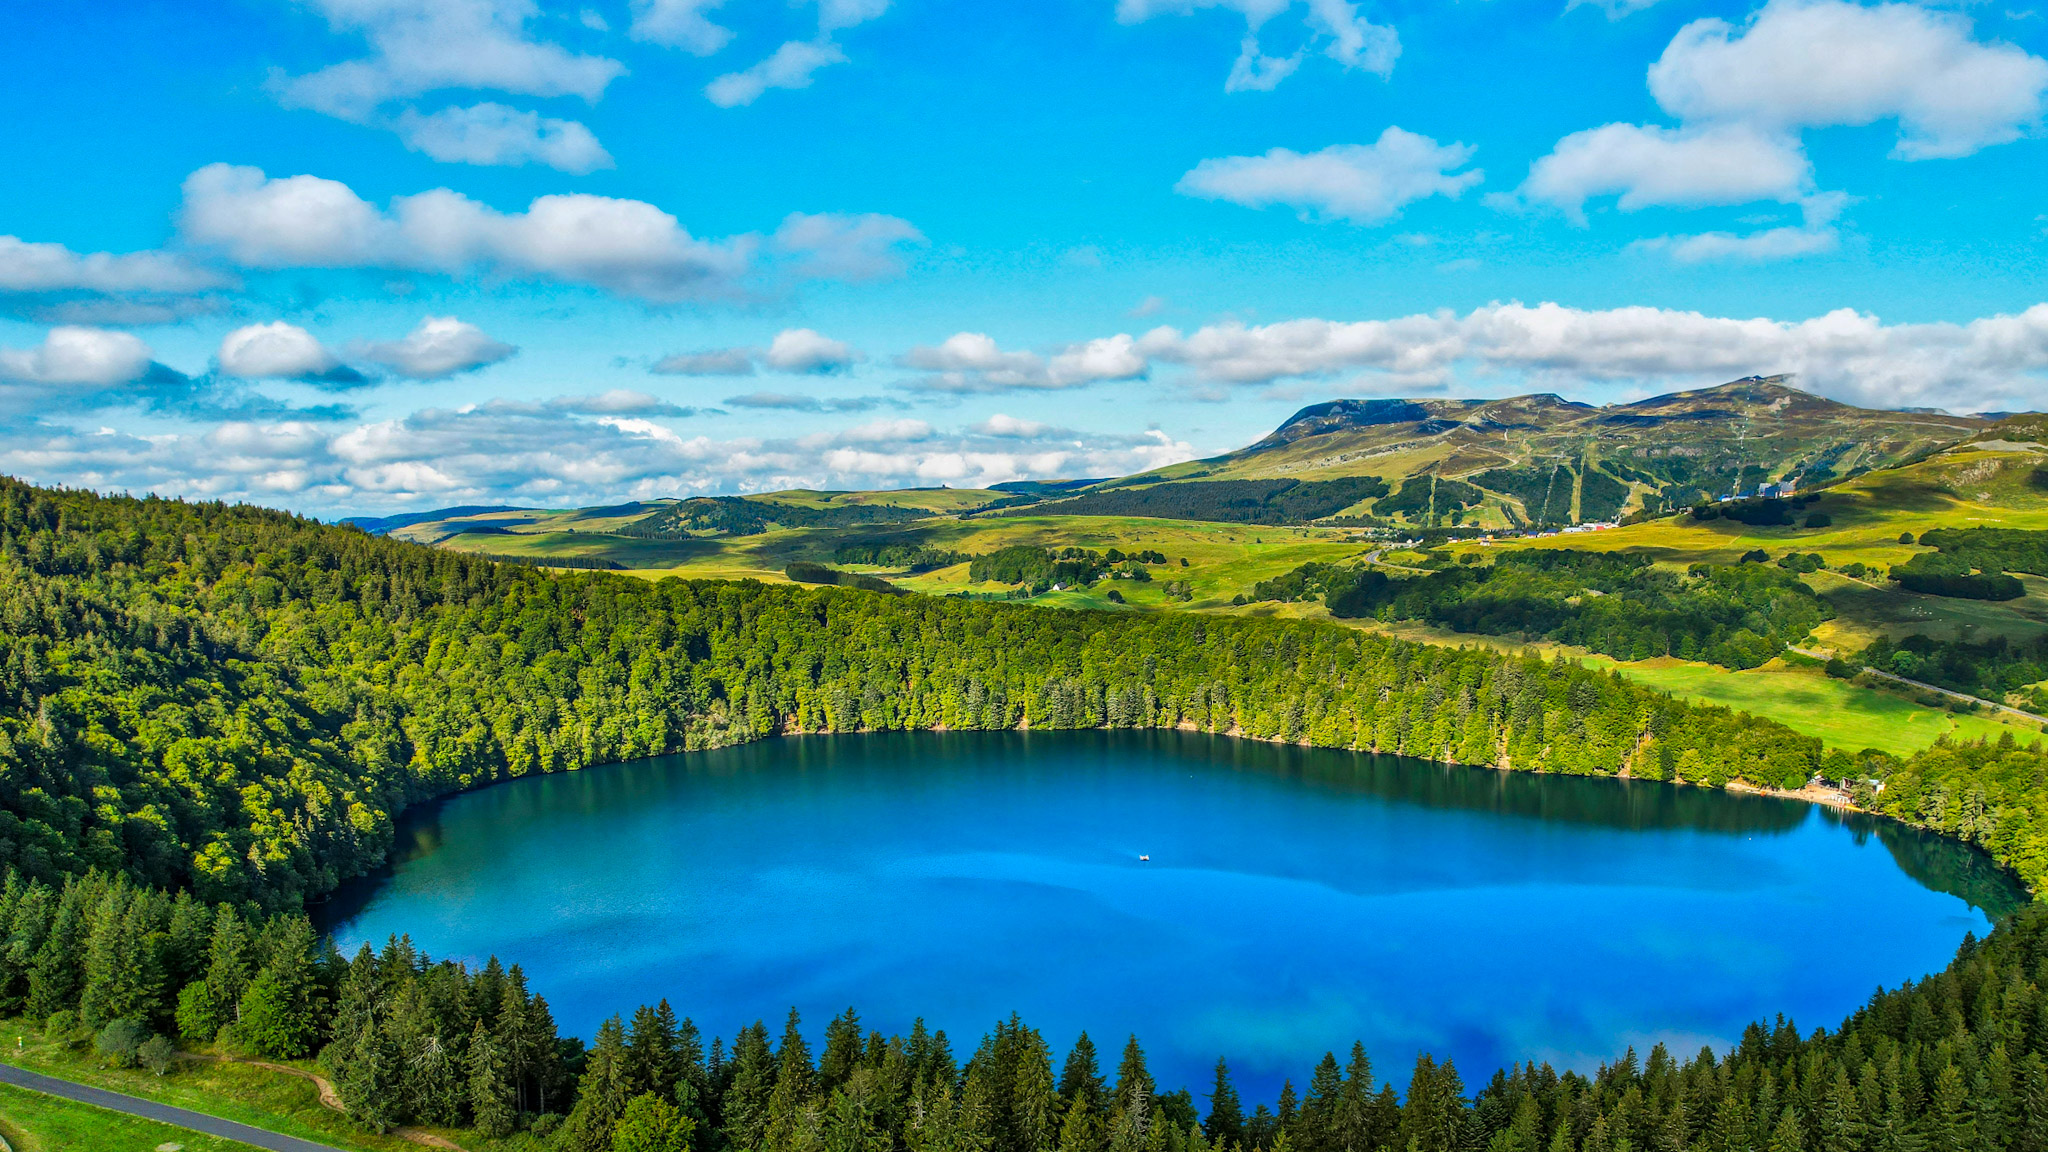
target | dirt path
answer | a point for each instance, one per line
(331, 1098)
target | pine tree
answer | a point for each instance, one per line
(493, 1100)
(229, 965)
(842, 1052)
(1081, 1077)
(745, 1112)
(1315, 1129)
(1950, 1125)
(1788, 1136)
(278, 1013)
(792, 1105)
(54, 975)
(1225, 1125)
(1034, 1098)
(651, 1051)
(1351, 1120)
(601, 1096)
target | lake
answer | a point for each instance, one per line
(1294, 899)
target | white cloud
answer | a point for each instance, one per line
(560, 453)
(793, 64)
(1670, 167)
(1333, 25)
(969, 362)
(1995, 362)
(51, 282)
(77, 356)
(1365, 184)
(628, 247)
(27, 267)
(1818, 63)
(1616, 9)
(680, 24)
(439, 347)
(717, 362)
(1010, 427)
(492, 134)
(789, 66)
(420, 46)
(278, 351)
(619, 402)
(835, 246)
(1815, 235)
(802, 350)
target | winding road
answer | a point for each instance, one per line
(162, 1113)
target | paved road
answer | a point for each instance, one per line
(162, 1113)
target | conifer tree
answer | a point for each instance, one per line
(54, 975)
(278, 1012)
(1081, 1077)
(1225, 1125)
(745, 1113)
(602, 1095)
(492, 1098)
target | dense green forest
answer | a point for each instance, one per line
(1957, 1062)
(907, 555)
(1738, 615)
(1038, 569)
(238, 701)
(1973, 563)
(1229, 501)
(1992, 668)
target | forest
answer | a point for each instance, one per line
(1956, 1062)
(1229, 501)
(209, 714)
(1735, 615)
(1993, 667)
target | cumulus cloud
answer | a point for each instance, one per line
(1744, 94)
(627, 247)
(77, 356)
(802, 350)
(798, 351)
(1816, 234)
(1819, 63)
(558, 453)
(420, 46)
(281, 351)
(834, 246)
(439, 347)
(1649, 166)
(794, 402)
(971, 362)
(50, 281)
(680, 24)
(1333, 26)
(1995, 362)
(1361, 183)
(792, 65)
(492, 134)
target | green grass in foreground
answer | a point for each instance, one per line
(34, 1122)
(275, 1101)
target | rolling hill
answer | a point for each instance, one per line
(1531, 461)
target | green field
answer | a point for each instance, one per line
(33, 1122)
(274, 1101)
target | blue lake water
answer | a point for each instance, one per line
(1295, 899)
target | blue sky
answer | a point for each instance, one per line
(356, 255)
